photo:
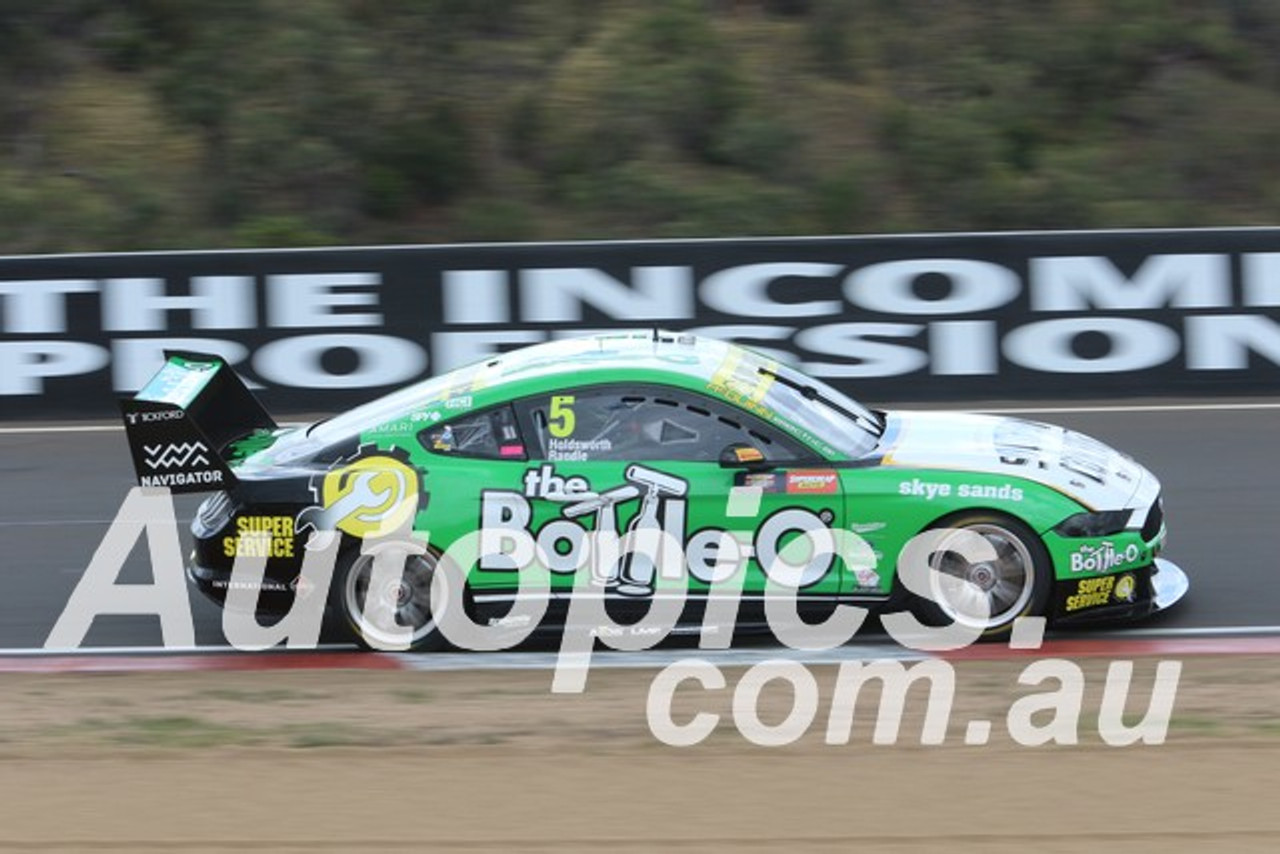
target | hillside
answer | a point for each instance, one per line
(158, 124)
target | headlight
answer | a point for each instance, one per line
(1094, 524)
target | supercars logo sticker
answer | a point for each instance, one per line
(372, 495)
(823, 482)
(175, 455)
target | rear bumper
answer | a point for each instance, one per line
(274, 596)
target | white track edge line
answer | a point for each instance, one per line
(1136, 634)
(1154, 407)
(157, 651)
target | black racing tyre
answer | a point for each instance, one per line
(378, 619)
(1017, 583)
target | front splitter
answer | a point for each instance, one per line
(1168, 584)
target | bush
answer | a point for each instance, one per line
(759, 143)
(278, 230)
(495, 219)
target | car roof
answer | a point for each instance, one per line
(651, 356)
(614, 355)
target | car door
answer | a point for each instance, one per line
(630, 458)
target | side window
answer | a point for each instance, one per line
(643, 423)
(491, 434)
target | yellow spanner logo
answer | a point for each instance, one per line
(370, 497)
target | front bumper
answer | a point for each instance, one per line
(1129, 595)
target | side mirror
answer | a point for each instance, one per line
(740, 455)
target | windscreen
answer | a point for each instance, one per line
(772, 390)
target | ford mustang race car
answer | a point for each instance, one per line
(748, 469)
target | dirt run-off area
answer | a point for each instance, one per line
(493, 761)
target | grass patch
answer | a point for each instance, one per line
(332, 734)
(1197, 724)
(178, 731)
(1271, 727)
(192, 732)
(478, 739)
(257, 696)
(413, 695)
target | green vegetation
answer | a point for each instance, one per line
(161, 124)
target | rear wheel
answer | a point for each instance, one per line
(1013, 580)
(393, 613)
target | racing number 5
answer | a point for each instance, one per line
(561, 421)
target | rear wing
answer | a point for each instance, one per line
(184, 417)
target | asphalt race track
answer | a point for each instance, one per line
(1218, 462)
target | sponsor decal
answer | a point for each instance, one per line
(460, 402)
(1092, 593)
(302, 586)
(268, 585)
(370, 495)
(261, 536)
(1126, 587)
(511, 621)
(824, 482)
(543, 482)
(178, 383)
(655, 632)
(1104, 557)
(181, 478)
(178, 456)
(1045, 447)
(710, 555)
(763, 481)
(175, 455)
(733, 394)
(1104, 590)
(1001, 492)
(401, 426)
(748, 454)
(917, 488)
(152, 416)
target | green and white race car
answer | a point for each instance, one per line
(744, 471)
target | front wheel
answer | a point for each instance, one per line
(395, 613)
(986, 591)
